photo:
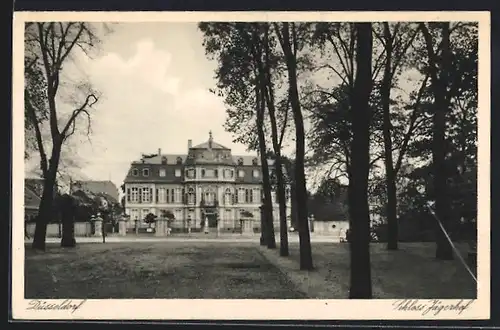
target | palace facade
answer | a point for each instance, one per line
(208, 187)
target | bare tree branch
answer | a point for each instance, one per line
(89, 102)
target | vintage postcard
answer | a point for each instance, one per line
(251, 165)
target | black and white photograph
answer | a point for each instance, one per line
(251, 165)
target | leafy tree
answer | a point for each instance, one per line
(167, 214)
(267, 66)
(233, 46)
(291, 38)
(395, 42)
(150, 218)
(49, 45)
(453, 91)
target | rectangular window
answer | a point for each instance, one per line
(178, 195)
(178, 172)
(145, 172)
(228, 218)
(134, 196)
(256, 196)
(162, 195)
(172, 196)
(178, 214)
(146, 195)
(167, 200)
(128, 194)
(134, 214)
(241, 195)
(191, 173)
(163, 172)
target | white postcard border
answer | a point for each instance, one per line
(192, 309)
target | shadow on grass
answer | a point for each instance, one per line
(411, 272)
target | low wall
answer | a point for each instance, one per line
(331, 228)
(82, 229)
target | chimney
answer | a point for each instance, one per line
(190, 144)
(159, 151)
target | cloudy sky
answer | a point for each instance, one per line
(155, 80)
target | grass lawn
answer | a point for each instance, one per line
(410, 272)
(154, 270)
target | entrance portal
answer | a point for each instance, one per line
(212, 220)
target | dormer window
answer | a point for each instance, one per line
(254, 162)
(240, 162)
(190, 173)
(179, 160)
(241, 173)
(163, 172)
(164, 160)
(256, 173)
(228, 174)
(135, 172)
(145, 172)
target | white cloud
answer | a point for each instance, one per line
(148, 65)
(144, 108)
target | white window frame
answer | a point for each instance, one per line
(241, 173)
(163, 172)
(162, 195)
(210, 196)
(256, 195)
(228, 196)
(134, 195)
(191, 173)
(145, 172)
(241, 195)
(191, 196)
(178, 172)
(178, 195)
(135, 172)
(146, 193)
(256, 173)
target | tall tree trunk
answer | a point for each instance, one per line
(443, 207)
(293, 204)
(282, 206)
(440, 80)
(45, 211)
(268, 228)
(306, 262)
(268, 88)
(68, 221)
(360, 276)
(390, 175)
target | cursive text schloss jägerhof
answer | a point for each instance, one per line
(67, 304)
(432, 307)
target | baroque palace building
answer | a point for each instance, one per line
(207, 186)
